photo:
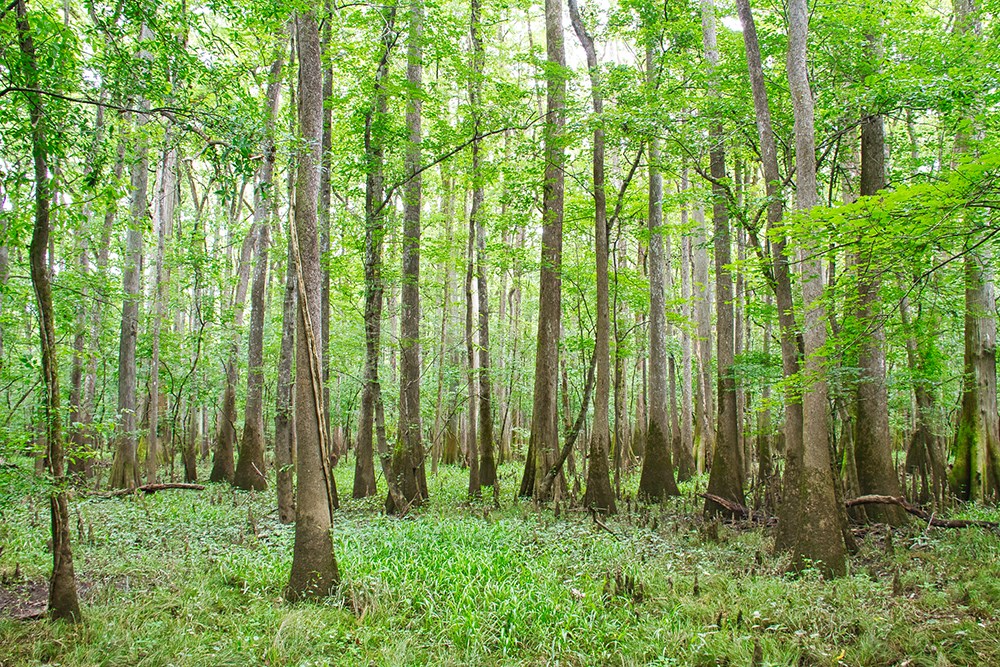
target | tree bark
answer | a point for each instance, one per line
(726, 479)
(872, 442)
(815, 521)
(544, 438)
(250, 469)
(598, 496)
(63, 602)
(314, 566)
(125, 468)
(408, 457)
(364, 470)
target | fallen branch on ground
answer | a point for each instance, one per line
(150, 488)
(916, 511)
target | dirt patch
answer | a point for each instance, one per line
(24, 600)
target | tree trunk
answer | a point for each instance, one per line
(726, 479)
(250, 470)
(163, 217)
(872, 443)
(598, 496)
(815, 518)
(544, 439)
(125, 468)
(314, 567)
(685, 463)
(408, 457)
(657, 478)
(284, 431)
(364, 470)
(63, 602)
(703, 317)
(779, 271)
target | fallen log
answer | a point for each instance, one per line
(150, 488)
(734, 508)
(918, 512)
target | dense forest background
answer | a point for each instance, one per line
(600, 255)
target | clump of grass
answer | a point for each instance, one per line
(196, 578)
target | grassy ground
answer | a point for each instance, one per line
(195, 578)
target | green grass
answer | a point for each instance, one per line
(182, 578)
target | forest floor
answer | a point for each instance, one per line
(195, 578)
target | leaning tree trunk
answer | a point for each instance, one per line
(779, 273)
(543, 443)
(314, 567)
(598, 496)
(726, 479)
(250, 468)
(63, 602)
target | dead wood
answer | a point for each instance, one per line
(149, 488)
(918, 512)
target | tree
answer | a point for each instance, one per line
(599, 495)
(125, 469)
(726, 479)
(250, 467)
(812, 526)
(657, 479)
(314, 566)
(63, 603)
(543, 442)
(408, 456)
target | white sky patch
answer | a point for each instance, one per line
(733, 23)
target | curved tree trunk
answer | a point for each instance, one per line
(63, 602)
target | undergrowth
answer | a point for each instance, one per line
(196, 578)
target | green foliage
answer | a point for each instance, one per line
(195, 578)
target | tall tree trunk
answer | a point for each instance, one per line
(125, 468)
(779, 272)
(544, 439)
(815, 517)
(686, 465)
(314, 567)
(163, 218)
(324, 216)
(703, 316)
(599, 496)
(223, 468)
(872, 443)
(976, 471)
(408, 457)
(726, 479)
(471, 441)
(250, 469)
(284, 425)
(364, 470)
(63, 602)
(657, 478)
